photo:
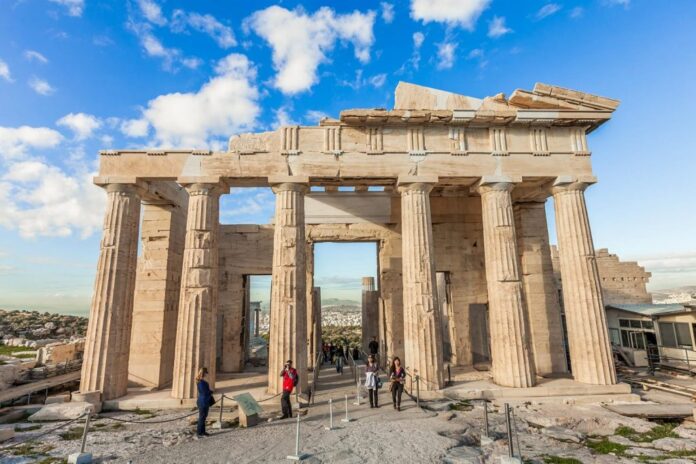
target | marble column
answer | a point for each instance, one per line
(288, 325)
(422, 328)
(105, 364)
(543, 306)
(590, 353)
(511, 353)
(370, 312)
(196, 326)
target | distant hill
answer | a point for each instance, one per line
(339, 302)
(675, 295)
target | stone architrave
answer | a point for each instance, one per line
(588, 338)
(422, 328)
(196, 334)
(105, 365)
(543, 306)
(512, 359)
(288, 326)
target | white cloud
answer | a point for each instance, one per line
(152, 12)
(314, 116)
(547, 10)
(33, 55)
(624, 3)
(377, 80)
(38, 199)
(577, 12)
(226, 104)
(171, 57)
(207, 24)
(446, 55)
(418, 39)
(74, 7)
(283, 117)
(497, 27)
(41, 86)
(475, 53)
(81, 124)
(462, 13)
(135, 128)
(301, 42)
(15, 142)
(387, 12)
(5, 71)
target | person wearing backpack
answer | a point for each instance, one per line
(372, 382)
(290, 380)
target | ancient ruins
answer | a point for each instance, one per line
(453, 190)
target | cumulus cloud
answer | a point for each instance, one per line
(152, 12)
(41, 86)
(462, 13)
(5, 71)
(15, 142)
(135, 128)
(74, 7)
(387, 12)
(446, 55)
(301, 41)
(207, 24)
(497, 27)
(39, 199)
(547, 10)
(33, 55)
(81, 124)
(226, 104)
(377, 80)
(246, 204)
(172, 58)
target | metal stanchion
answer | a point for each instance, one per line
(485, 438)
(449, 375)
(357, 394)
(297, 456)
(331, 426)
(508, 426)
(346, 419)
(219, 424)
(418, 391)
(82, 457)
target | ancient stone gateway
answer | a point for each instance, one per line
(451, 187)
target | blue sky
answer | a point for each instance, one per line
(77, 76)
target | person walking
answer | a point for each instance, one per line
(290, 380)
(340, 360)
(372, 382)
(373, 346)
(204, 402)
(397, 379)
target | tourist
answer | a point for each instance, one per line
(356, 353)
(373, 346)
(340, 360)
(290, 379)
(372, 382)
(332, 353)
(204, 402)
(397, 378)
(325, 349)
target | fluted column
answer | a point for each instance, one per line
(105, 364)
(196, 326)
(288, 327)
(590, 353)
(422, 328)
(543, 306)
(511, 353)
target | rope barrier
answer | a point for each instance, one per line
(116, 419)
(43, 434)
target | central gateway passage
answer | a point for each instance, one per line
(346, 274)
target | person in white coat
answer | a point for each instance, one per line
(372, 382)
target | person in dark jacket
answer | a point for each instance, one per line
(373, 346)
(290, 380)
(372, 381)
(204, 402)
(397, 378)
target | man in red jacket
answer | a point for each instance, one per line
(290, 379)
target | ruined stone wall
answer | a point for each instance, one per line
(622, 282)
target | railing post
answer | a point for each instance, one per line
(297, 456)
(485, 438)
(346, 419)
(449, 375)
(417, 390)
(82, 457)
(509, 430)
(330, 427)
(222, 403)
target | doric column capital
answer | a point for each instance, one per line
(290, 187)
(206, 188)
(571, 184)
(134, 189)
(494, 184)
(416, 183)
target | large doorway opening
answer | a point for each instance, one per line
(344, 272)
(257, 304)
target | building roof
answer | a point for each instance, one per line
(649, 310)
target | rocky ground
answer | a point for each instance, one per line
(34, 329)
(443, 432)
